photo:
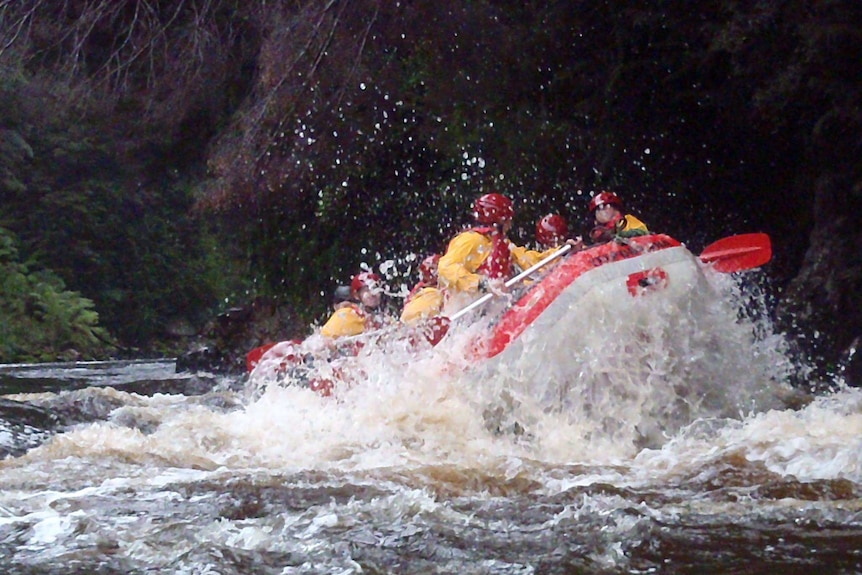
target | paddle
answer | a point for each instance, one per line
(727, 255)
(738, 253)
(435, 328)
(509, 283)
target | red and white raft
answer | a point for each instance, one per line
(569, 290)
(614, 272)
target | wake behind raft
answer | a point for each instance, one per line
(620, 273)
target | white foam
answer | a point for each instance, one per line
(617, 382)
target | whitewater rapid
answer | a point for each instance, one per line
(608, 383)
(427, 462)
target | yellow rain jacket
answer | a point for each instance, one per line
(633, 227)
(528, 258)
(424, 303)
(345, 321)
(466, 253)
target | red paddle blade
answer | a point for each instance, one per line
(737, 253)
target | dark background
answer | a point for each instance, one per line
(168, 160)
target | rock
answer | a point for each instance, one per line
(820, 306)
(224, 342)
(204, 357)
(852, 364)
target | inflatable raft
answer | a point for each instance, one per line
(551, 300)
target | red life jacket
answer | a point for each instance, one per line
(605, 232)
(498, 264)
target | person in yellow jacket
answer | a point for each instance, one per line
(425, 300)
(360, 314)
(552, 233)
(481, 258)
(611, 222)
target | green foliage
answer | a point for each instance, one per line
(106, 208)
(39, 319)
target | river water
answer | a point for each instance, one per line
(670, 446)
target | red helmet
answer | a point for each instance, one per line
(493, 209)
(603, 198)
(363, 280)
(428, 269)
(552, 230)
